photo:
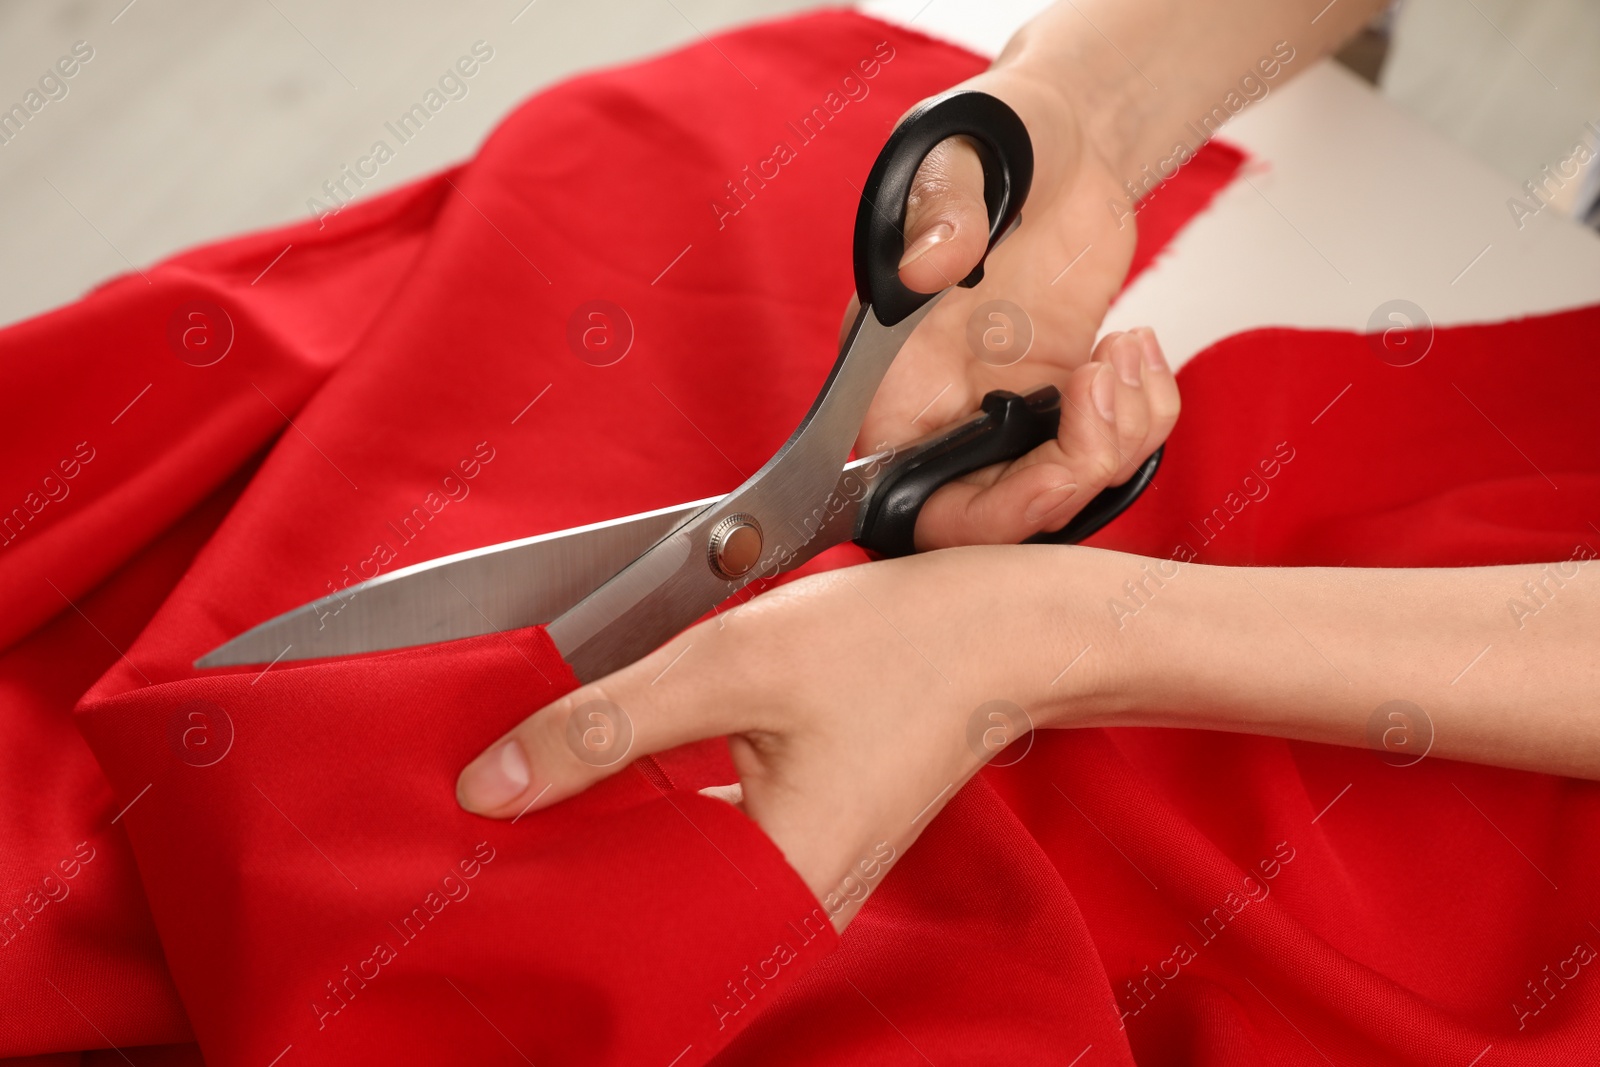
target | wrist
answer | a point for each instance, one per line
(1049, 111)
(1063, 642)
(1077, 84)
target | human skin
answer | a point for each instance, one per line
(847, 697)
(1099, 114)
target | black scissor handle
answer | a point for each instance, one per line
(1009, 426)
(1007, 155)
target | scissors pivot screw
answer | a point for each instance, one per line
(735, 545)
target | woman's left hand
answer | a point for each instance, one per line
(853, 703)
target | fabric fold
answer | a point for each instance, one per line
(289, 821)
(416, 379)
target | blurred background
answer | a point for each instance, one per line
(195, 119)
(187, 120)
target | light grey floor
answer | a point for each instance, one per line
(194, 120)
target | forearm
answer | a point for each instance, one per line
(1504, 662)
(1149, 76)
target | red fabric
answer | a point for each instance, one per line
(105, 506)
(443, 302)
(1396, 914)
(288, 823)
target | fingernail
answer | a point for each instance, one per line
(1048, 501)
(940, 233)
(494, 778)
(1152, 349)
(1104, 392)
(1125, 357)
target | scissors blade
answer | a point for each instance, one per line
(673, 583)
(614, 590)
(499, 587)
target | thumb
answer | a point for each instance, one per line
(594, 732)
(947, 225)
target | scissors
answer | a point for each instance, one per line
(611, 592)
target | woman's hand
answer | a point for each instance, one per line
(1102, 132)
(1058, 272)
(858, 701)
(853, 702)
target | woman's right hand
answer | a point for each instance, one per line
(1061, 269)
